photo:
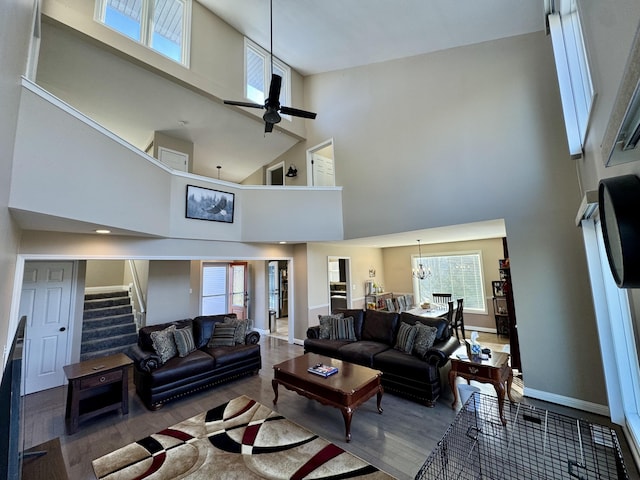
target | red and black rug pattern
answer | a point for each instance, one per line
(241, 439)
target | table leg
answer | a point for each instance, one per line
(347, 413)
(125, 390)
(509, 382)
(274, 384)
(452, 383)
(380, 392)
(500, 391)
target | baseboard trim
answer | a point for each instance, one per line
(567, 401)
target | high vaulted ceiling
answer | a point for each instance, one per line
(312, 36)
(315, 36)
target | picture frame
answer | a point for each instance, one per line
(208, 204)
(498, 288)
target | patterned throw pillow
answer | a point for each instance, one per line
(241, 329)
(425, 337)
(406, 337)
(342, 329)
(164, 344)
(223, 335)
(184, 341)
(325, 324)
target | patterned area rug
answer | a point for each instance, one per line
(241, 439)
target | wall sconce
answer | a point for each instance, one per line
(292, 172)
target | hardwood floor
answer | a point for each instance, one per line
(398, 441)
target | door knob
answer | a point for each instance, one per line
(62, 329)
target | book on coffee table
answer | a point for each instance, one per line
(323, 370)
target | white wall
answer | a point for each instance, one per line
(168, 291)
(466, 135)
(15, 29)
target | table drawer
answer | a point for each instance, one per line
(104, 379)
(481, 371)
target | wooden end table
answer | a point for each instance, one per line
(96, 386)
(495, 370)
(346, 390)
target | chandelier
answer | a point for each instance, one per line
(420, 273)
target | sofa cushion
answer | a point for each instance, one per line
(233, 355)
(425, 336)
(406, 337)
(328, 348)
(393, 362)
(326, 324)
(203, 327)
(223, 335)
(164, 344)
(362, 352)
(379, 326)
(183, 338)
(241, 329)
(358, 318)
(179, 368)
(444, 332)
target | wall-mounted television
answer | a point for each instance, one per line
(11, 432)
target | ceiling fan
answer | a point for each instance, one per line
(272, 106)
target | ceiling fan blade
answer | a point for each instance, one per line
(274, 90)
(268, 127)
(297, 112)
(243, 104)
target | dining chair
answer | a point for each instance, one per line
(449, 317)
(402, 304)
(443, 298)
(458, 321)
(408, 300)
(390, 306)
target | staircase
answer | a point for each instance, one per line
(108, 324)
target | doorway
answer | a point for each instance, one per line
(339, 274)
(46, 301)
(321, 165)
(275, 174)
(278, 273)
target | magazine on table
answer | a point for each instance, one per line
(323, 370)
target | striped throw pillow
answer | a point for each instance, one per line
(223, 335)
(406, 337)
(184, 341)
(342, 329)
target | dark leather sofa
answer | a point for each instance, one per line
(158, 383)
(376, 331)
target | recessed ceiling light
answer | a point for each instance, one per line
(103, 231)
(282, 243)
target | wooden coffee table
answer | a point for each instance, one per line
(349, 388)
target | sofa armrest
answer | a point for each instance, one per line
(143, 359)
(252, 337)
(439, 354)
(313, 332)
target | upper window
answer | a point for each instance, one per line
(572, 68)
(459, 274)
(257, 62)
(162, 25)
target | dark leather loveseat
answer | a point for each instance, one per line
(157, 382)
(403, 373)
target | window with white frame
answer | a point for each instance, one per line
(257, 63)
(459, 274)
(162, 25)
(572, 68)
(214, 289)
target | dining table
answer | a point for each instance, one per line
(435, 310)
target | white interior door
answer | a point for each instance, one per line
(46, 301)
(173, 159)
(321, 165)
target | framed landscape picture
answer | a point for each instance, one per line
(207, 204)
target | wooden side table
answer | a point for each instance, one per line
(495, 370)
(96, 386)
